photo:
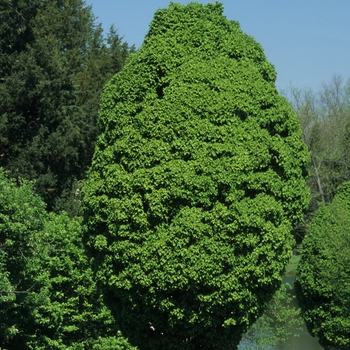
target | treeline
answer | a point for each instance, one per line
(54, 62)
(325, 120)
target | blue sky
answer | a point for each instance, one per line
(308, 41)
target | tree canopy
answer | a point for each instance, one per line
(325, 120)
(323, 277)
(54, 62)
(197, 179)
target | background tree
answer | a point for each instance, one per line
(196, 182)
(325, 120)
(48, 298)
(54, 62)
(323, 276)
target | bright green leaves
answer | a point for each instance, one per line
(48, 297)
(196, 182)
(323, 281)
(21, 217)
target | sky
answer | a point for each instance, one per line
(308, 41)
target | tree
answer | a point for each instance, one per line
(21, 218)
(54, 62)
(325, 120)
(323, 276)
(47, 294)
(196, 182)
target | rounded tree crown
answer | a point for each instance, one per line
(323, 276)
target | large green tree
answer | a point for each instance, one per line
(196, 183)
(323, 276)
(48, 299)
(54, 62)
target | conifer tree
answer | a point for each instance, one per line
(54, 62)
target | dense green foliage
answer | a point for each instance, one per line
(323, 278)
(21, 218)
(196, 183)
(48, 299)
(280, 321)
(54, 62)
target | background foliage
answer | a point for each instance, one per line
(54, 62)
(325, 119)
(21, 218)
(196, 182)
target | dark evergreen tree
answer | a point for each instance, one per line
(54, 62)
(197, 180)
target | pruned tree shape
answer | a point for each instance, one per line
(196, 182)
